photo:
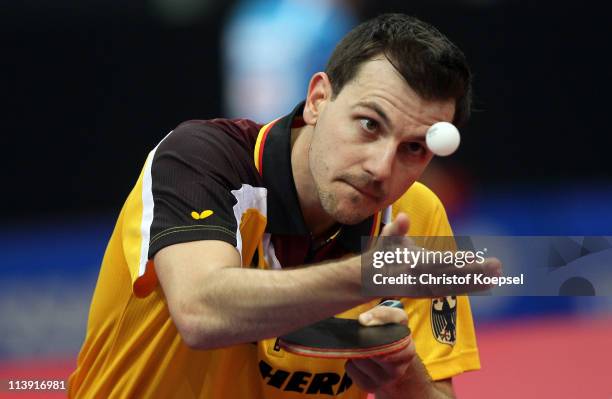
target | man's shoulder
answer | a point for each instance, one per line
(242, 132)
(223, 140)
(238, 126)
(220, 146)
(425, 211)
(418, 196)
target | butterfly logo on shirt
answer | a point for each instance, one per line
(201, 215)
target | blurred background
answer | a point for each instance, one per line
(91, 87)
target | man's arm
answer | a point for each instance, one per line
(215, 303)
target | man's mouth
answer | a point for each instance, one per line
(368, 193)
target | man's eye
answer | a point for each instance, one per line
(413, 148)
(369, 125)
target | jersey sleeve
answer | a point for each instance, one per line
(193, 174)
(185, 193)
(442, 328)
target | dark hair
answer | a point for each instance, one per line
(432, 65)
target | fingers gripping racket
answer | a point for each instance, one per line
(336, 338)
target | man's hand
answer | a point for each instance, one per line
(396, 375)
(370, 374)
(393, 238)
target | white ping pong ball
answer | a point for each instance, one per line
(442, 138)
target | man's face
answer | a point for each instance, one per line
(368, 144)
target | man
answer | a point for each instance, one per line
(175, 315)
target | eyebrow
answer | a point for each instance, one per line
(376, 108)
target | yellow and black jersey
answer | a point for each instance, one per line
(231, 180)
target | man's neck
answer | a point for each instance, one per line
(315, 217)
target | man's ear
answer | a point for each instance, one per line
(319, 93)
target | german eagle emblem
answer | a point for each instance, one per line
(444, 319)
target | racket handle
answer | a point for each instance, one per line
(392, 303)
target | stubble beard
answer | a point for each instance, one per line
(331, 205)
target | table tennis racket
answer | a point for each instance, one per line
(336, 338)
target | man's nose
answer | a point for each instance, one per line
(380, 159)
